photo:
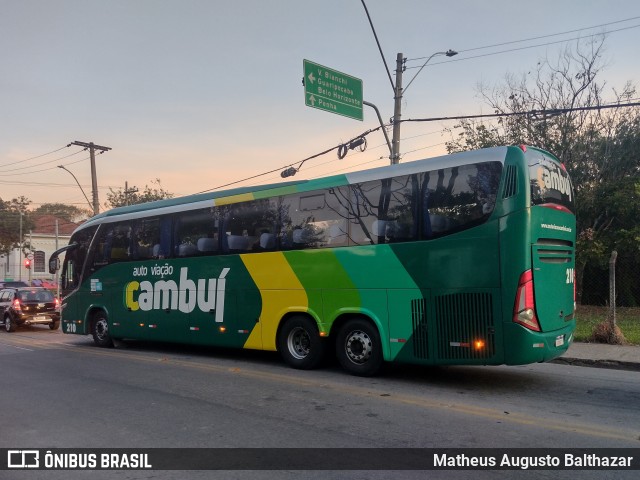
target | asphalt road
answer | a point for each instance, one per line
(59, 391)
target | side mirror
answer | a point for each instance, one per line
(54, 264)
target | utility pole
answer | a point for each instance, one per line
(30, 253)
(397, 110)
(397, 88)
(128, 191)
(20, 250)
(398, 92)
(57, 277)
(94, 178)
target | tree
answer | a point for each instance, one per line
(12, 213)
(70, 213)
(600, 148)
(120, 197)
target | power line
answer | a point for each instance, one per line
(291, 165)
(539, 37)
(39, 164)
(34, 184)
(37, 156)
(51, 168)
(521, 48)
(541, 113)
(551, 112)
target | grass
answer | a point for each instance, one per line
(627, 319)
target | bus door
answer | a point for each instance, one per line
(116, 282)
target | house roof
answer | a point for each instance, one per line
(46, 225)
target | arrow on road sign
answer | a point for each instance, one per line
(332, 91)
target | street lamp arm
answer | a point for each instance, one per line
(386, 136)
(448, 53)
(81, 189)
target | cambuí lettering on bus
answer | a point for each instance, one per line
(550, 176)
(207, 294)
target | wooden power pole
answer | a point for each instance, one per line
(94, 178)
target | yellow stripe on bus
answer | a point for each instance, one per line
(281, 292)
(243, 197)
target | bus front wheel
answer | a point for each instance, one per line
(358, 348)
(100, 330)
(300, 344)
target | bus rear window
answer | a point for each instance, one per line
(550, 183)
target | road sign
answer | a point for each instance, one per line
(333, 91)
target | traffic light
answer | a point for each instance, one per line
(27, 263)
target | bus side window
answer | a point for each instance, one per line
(314, 219)
(454, 199)
(250, 226)
(195, 233)
(162, 249)
(112, 245)
(384, 211)
(121, 244)
(146, 236)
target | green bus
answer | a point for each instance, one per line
(460, 259)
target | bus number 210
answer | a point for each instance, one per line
(571, 275)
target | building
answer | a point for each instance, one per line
(50, 233)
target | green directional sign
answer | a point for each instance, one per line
(333, 91)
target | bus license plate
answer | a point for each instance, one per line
(559, 340)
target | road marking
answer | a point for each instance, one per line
(15, 346)
(370, 392)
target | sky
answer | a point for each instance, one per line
(204, 93)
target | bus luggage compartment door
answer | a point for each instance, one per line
(553, 280)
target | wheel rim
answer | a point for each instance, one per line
(7, 324)
(358, 347)
(299, 343)
(102, 329)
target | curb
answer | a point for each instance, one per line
(610, 364)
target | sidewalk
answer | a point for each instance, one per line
(602, 355)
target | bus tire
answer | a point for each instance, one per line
(100, 330)
(299, 343)
(358, 348)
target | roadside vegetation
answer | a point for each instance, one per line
(600, 149)
(627, 319)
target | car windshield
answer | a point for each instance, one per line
(36, 296)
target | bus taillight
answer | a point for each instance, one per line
(555, 206)
(524, 310)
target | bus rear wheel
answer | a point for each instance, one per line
(100, 330)
(299, 343)
(358, 348)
